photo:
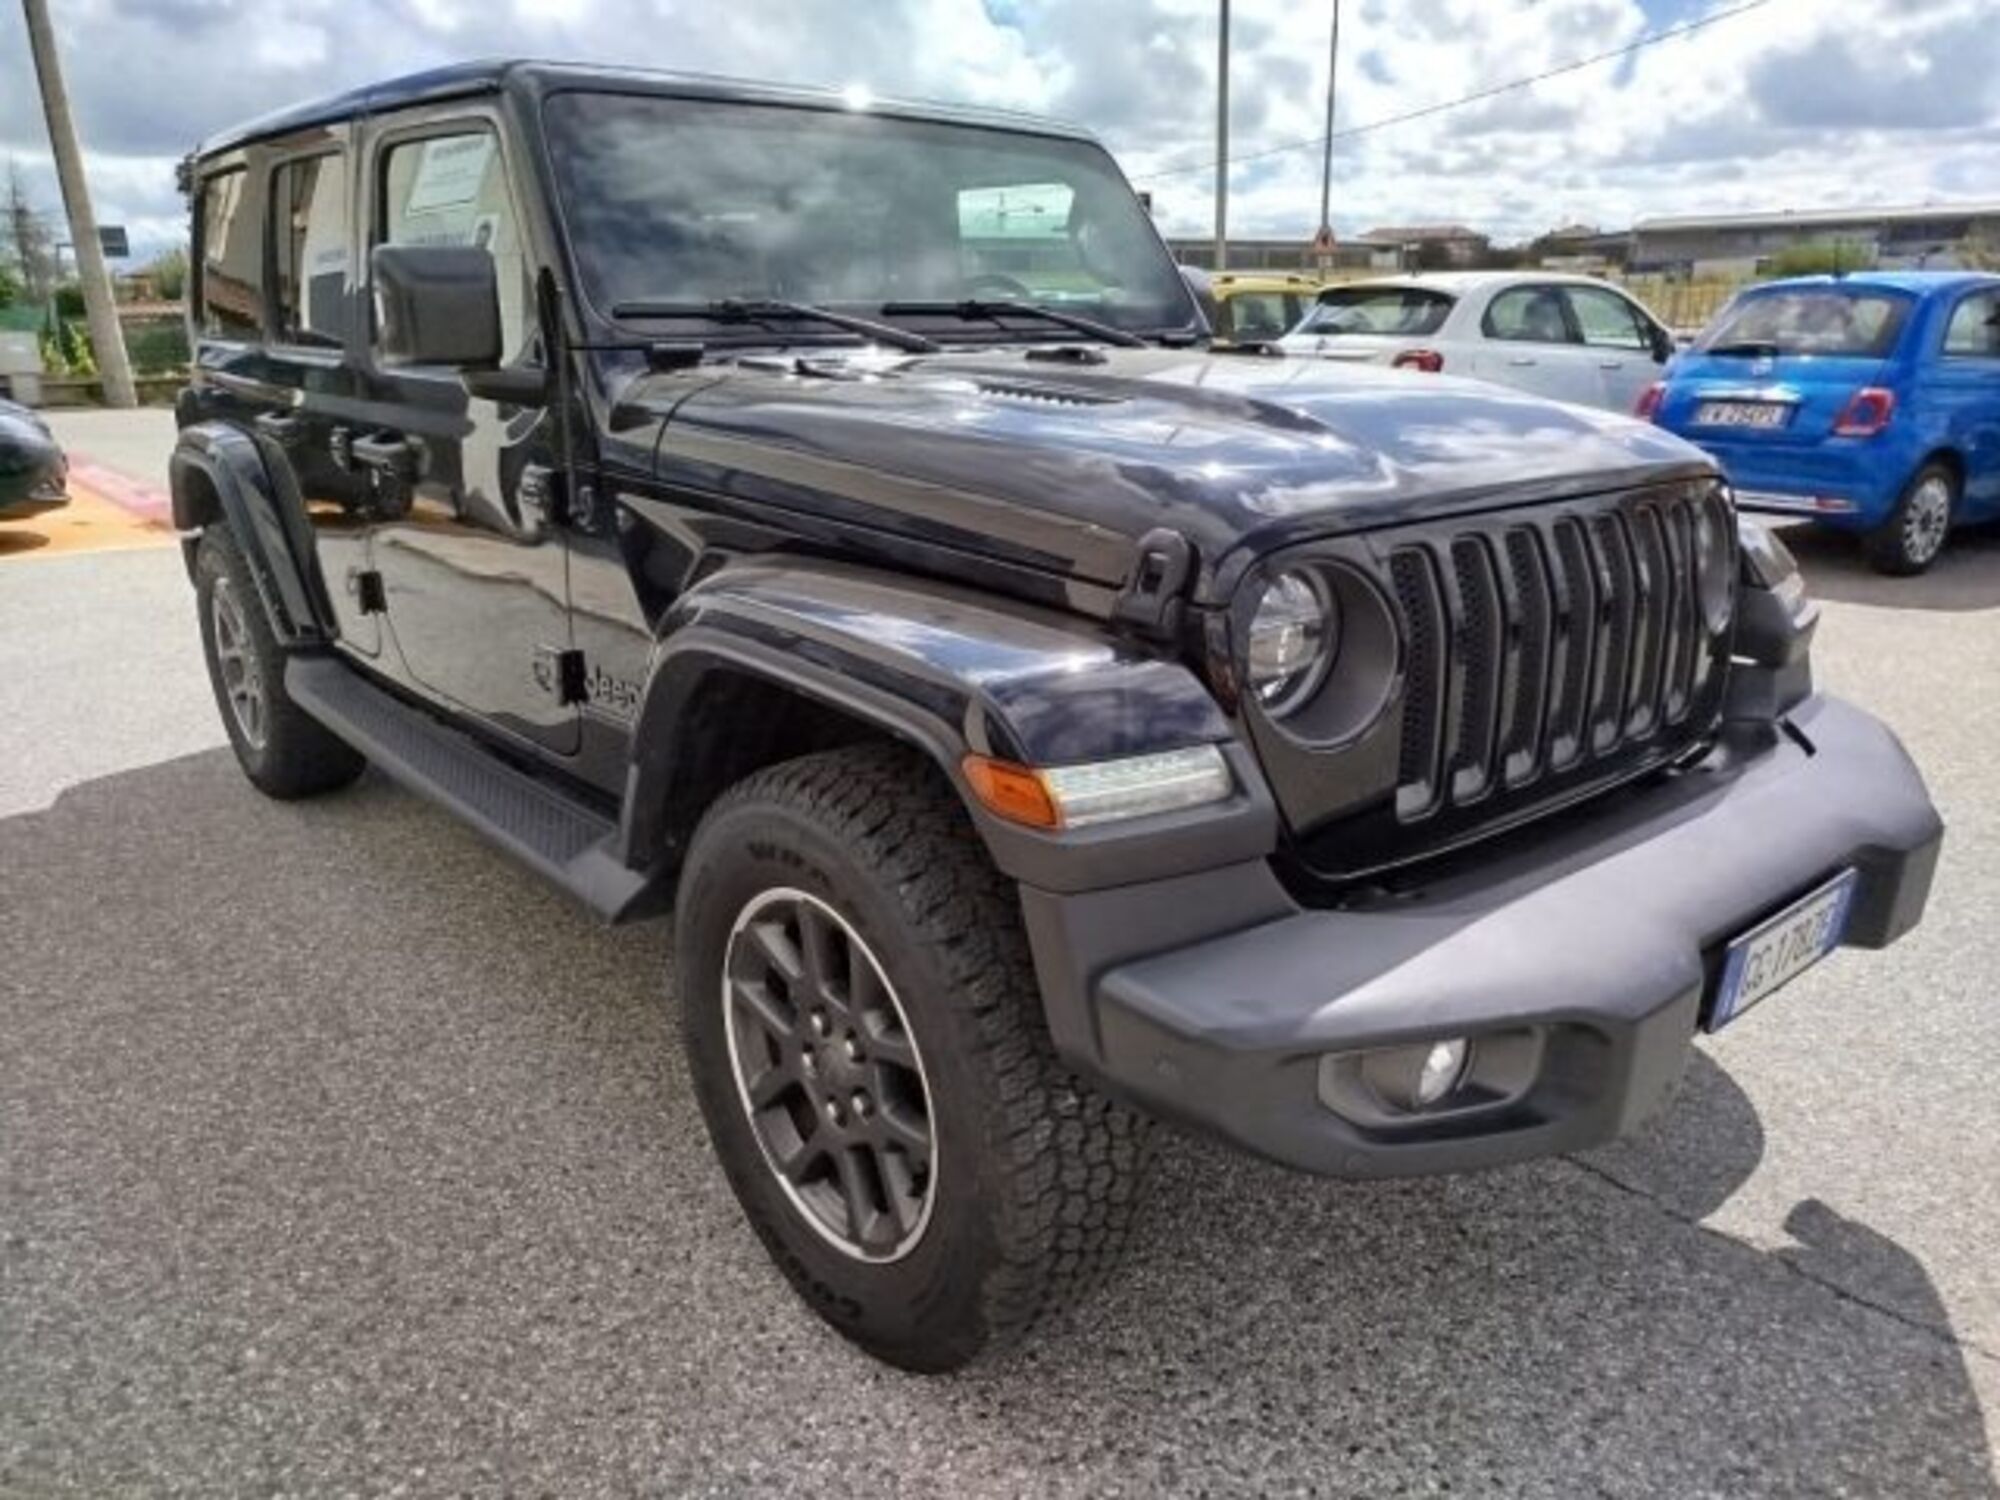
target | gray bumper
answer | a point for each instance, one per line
(1212, 998)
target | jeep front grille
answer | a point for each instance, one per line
(1545, 651)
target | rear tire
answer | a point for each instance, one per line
(1914, 535)
(284, 751)
(881, 1008)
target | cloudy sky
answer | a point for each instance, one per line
(1797, 103)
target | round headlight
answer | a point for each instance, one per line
(1291, 641)
(1714, 566)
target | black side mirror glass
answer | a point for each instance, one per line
(436, 305)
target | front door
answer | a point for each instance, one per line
(475, 578)
(1620, 339)
(1959, 392)
(1530, 343)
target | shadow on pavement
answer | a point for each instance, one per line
(1965, 577)
(335, 1154)
(17, 538)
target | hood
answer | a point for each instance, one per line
(1062, 459)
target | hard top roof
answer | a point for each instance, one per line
(489, 76)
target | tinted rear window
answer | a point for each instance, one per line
(1394, 310)
(1818, 320)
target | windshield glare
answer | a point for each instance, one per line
(1403, 311)
(1819, 320)
(688, 201)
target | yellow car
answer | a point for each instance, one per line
(1250, 307)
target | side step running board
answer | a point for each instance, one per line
(565, 840)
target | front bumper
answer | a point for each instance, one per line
(1212, 998)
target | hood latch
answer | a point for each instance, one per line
(1150, 601)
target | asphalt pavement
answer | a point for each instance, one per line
(338, 1155)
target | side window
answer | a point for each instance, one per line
(231, 289)
(1607, 320)
(1974, 330)
(452, 190)
(309, 249)
(1528, 315)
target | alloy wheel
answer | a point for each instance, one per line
(829, 1075)
(1926, 518)
(242, 675)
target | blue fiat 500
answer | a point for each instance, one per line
(1869, 402)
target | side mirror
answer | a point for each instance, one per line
(436, 305)
(1663, 345)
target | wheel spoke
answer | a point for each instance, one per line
(827, 958)
(771, 1085)
(860, 1192)
(889, 1046)
(772, 943)
(754, 997)
(905, 1194)
(906, 1129)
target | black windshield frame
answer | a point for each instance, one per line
(606, 231)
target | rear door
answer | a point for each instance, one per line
(1528, 339)
(1621, 341)
(1959, 388)
(474, 570)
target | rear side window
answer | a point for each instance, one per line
(1974, 330)
(1401, 311)
(309, 239)
(1259, 315)
(1829, 320)
(452, 190)
(1529, 315)
(231, 290)
(1607, 320)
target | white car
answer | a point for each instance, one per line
(1571, 338)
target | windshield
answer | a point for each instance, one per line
(691, 202)
(1400, 310)
(1817, 320)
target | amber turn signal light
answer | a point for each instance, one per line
(1012, 792)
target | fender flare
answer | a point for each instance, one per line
(948, 672)
(259, 499)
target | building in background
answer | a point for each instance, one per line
(1427, 247)
(1937, 236)
(1271, 255)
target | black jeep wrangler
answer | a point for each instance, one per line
(826, 520)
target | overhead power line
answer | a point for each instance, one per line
(1320, 141)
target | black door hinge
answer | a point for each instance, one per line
(559, 673)
(369, 593)
(1151, 597)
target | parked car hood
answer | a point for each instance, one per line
(1062, 463)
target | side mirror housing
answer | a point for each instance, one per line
(1663, 345)
(437, 305)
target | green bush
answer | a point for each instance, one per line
(69, 300)
(1820, 260)
(156, 345)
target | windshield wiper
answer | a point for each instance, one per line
(994, 309)
(1746, 348)
(767, 310)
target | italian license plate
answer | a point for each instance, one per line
(1781, 949)
(1742, 414)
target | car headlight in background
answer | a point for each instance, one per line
(1292, 637)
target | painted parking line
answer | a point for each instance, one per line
(106, 511)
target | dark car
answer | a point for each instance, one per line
(34, 474)
(828, 524)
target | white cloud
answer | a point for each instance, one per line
(1796, 103)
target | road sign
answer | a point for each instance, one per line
(112, 237)
(1323, 247)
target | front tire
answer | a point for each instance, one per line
(866, 1040)
(284, 751)
(1913, 536)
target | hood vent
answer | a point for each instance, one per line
(1041, 395)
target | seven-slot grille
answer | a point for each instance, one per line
(1541, 645)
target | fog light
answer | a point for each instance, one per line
(1444, 1067)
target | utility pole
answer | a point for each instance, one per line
(1222, 139)
(106, 338)
(1326, 159)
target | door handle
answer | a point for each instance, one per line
(1611, 364)
(1522, 360)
